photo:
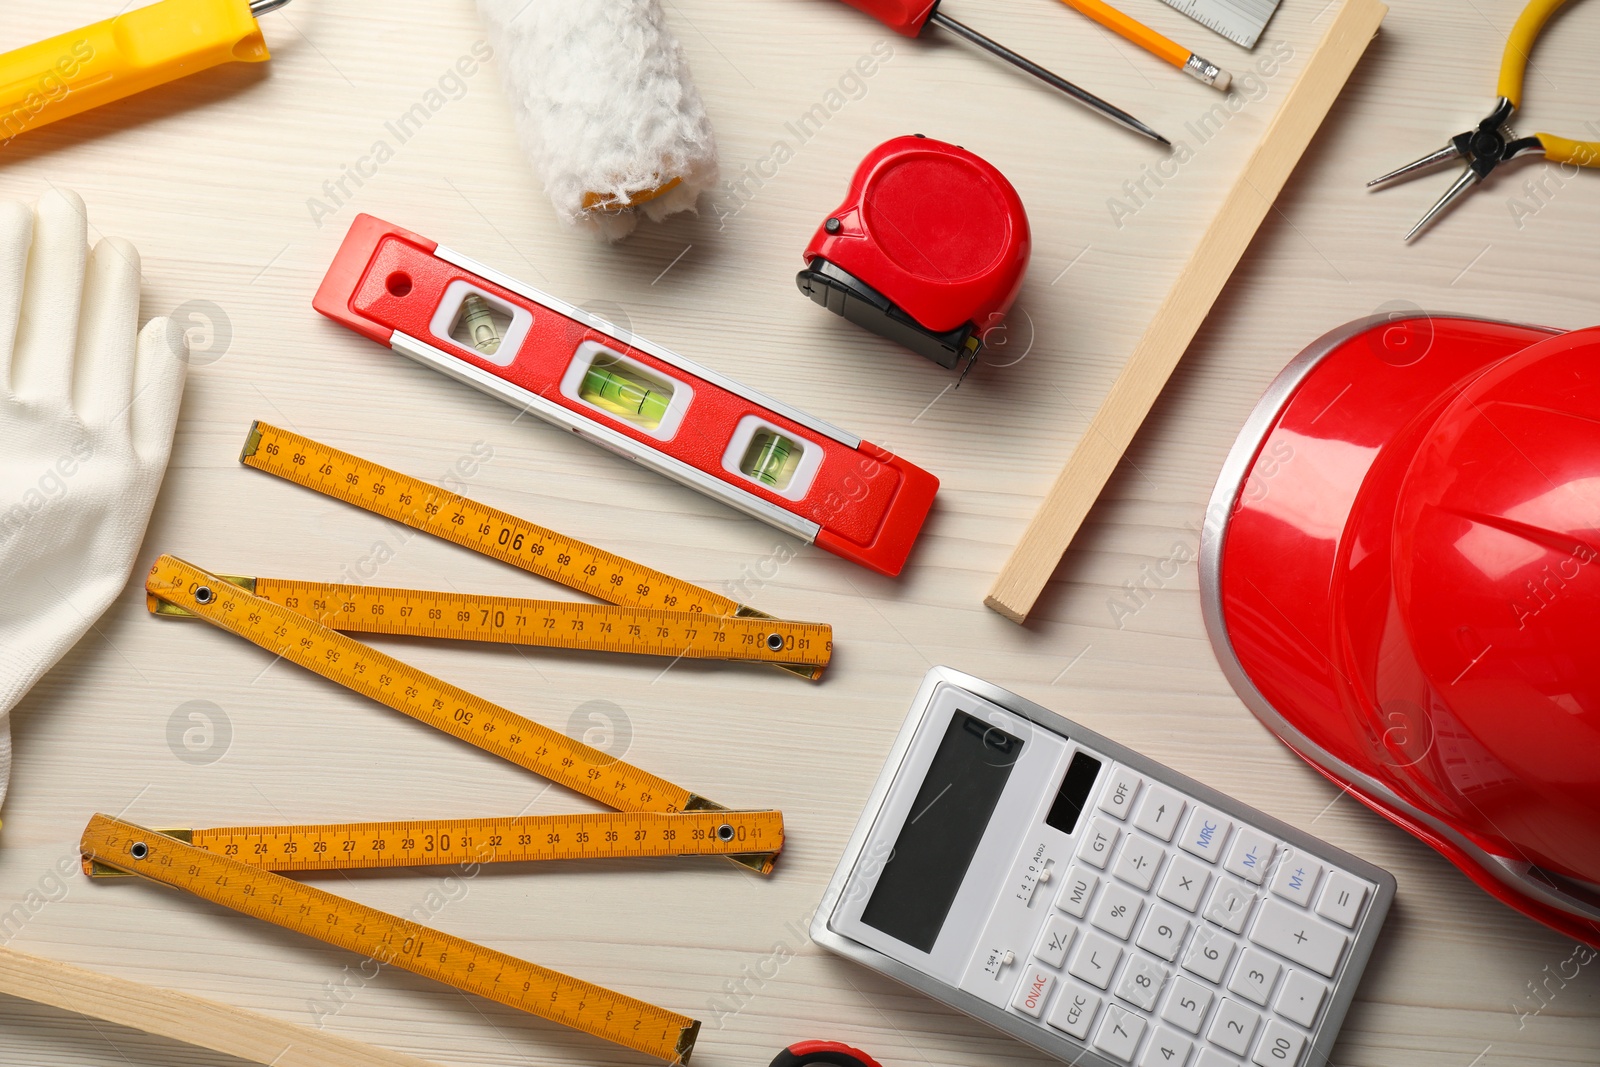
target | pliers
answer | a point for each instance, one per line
(1492, 142)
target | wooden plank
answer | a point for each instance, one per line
(191, 1020)
(1186, 305)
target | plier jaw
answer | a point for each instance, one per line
(1484, 147)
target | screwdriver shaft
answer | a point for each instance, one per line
(1088, 99)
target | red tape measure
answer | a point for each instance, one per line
(928, 249)
(831, 1053)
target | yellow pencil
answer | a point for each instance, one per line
(1152, 42)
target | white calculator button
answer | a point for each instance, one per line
(1076, 890)
(1210, 1057)
(1033, 991)
(1096, 958)
(1074, 1011)
(1300, 998)
(1167, 1048)
(1341, 899)
(1298, 937)
(1280, 1046)
(1138, 861)
(1250, 857)
(1230, 904)
(1098, 841)
(1056, 939)
(1117, 910)
(1233, 1027)
(1186, 1005)
(1208, 954)
(1159, 812)
(1205, 833)
(1255, 976)
(1119, 1034)
(1121, 788)
(1141, 981)
(1185, 881)
(1295, 877)
(1163, 932)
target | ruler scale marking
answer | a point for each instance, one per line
(422, 506)
(1240, 22)
(390, 939)
(483, 529)
(541, 623)
(518, 839)
(413, 692)
(421, 696)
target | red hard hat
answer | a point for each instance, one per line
(1400, 573)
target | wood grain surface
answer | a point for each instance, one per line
(1183, 310)
(229, 185)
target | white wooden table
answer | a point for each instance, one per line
(215, 179)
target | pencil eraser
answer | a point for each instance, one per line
(1224, 79)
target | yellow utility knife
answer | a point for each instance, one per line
(87, 67)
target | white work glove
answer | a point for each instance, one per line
(87, 407)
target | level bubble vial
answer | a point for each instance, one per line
(771, 459)
(480, 325)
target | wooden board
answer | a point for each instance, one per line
(1186, 306)
(191, 1020)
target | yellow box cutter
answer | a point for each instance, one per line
(127, 54)
(1492, 141)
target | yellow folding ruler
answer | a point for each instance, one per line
(654, 613)
(236, 866)
(411, 691)
(461, 842)
(543, 623)
(389, 939)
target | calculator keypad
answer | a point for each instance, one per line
(1182, 937)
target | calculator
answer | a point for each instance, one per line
(1093, 902)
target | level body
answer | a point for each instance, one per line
(630, 396)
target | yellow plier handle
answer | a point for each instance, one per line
(127, 54)
(1566, 150)
(1513, 68)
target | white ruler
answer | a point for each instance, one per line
(1240, 21)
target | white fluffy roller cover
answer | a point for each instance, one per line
(605, 107)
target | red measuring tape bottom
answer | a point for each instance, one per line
(832, 1053)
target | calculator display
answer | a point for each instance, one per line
(1073, 796)
(942, 831)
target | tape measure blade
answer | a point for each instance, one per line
(549, 623)
(520, 839)
(389, 939)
